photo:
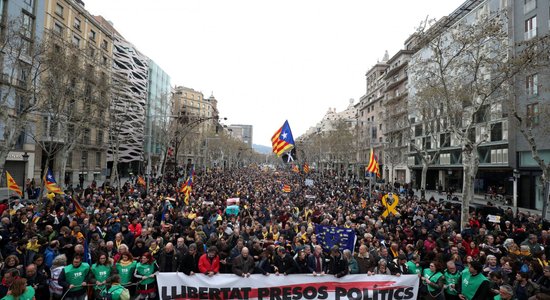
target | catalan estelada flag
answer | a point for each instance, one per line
(286, 188)
(373, 166)
(306, 168)
(295, 169)
(51, 184)
(12, 185)
(282, 140)
(77, 206)
(141, 181)
(188, 186)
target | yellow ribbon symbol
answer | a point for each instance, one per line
(391, 207)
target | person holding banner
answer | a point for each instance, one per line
(209, 263)
(283, 262)
(337, 265)
(316, 261)
(243, 265)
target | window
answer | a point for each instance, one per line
(70, 159)
(533, 114)
(427, 141)
(27, 26)
(84, 159)
(104, 60)
(444, 140)
(445, 159)
(99, 137)
(58, 29)
(496, 132)
(91, 51)
(92, 35)
(76, 41)
(28, 2)
(104, 44)
(86, 137)
(530, 28)
(499, 156)
(98, 159)
(418, 130)
(531, 85)
(76, 24)
(59, 10)
(529, 5)
(481, 114)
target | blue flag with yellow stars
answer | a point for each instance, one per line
(328, 236)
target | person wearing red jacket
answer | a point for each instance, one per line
(209, 263)
(135, 228)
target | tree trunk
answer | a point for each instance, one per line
(546, 195)
(43, 185)
(424, 174)
(470, 163)
(3, 158)
(64, 156)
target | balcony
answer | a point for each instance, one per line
(395, 81)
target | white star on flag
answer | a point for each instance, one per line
(284, 134)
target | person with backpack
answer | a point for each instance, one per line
(115, 291)
(145, 271)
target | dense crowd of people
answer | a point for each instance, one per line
(112, 248)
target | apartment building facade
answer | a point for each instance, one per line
(530, 20)
(200, 119)
(159, 110)
(21, 160)
(67, 22)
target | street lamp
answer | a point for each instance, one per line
(515, 195)
(25, 157)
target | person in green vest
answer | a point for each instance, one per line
(434, 280)
(413, 265)
(20, 291)
(115, 291)
(101, 271)
(73, 279)
(474, 284)
(145, 271)
(452, 281)
(125, 268)
(506, 292)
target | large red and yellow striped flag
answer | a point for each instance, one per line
(12, 185)
(373, 166)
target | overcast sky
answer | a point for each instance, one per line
(269, 61)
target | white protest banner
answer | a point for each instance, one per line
(309, 182)
(233, 201)
(493, 218)
(300, 286)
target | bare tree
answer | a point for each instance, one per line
(22, 66)
(427, 132)
(532, 118)
(466, 69)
